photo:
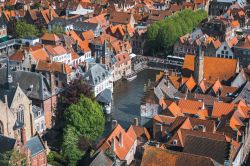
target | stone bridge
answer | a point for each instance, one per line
(142, 62)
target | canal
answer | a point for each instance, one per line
(127, 98)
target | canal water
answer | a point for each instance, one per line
(127, 98)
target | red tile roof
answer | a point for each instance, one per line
(53, 67)
(50, 37)
(212, 68)
(128, 140)
(221, 108)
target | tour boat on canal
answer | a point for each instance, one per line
(131, 77)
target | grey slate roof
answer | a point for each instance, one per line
(10, 94)
(35, 110)
(217, 150)
(101, 160)
(85, 25)
(6, 143)
(168, 89)
(35, 145)
(64, 22)
(41, 87)
(244, 94)
(239, 80)
(96, 74)
(105, 96)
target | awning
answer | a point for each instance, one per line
(105, 96)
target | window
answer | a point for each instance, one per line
(1, 128)
(20, 114)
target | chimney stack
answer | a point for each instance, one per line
(136, 123)
(114, 124)
(113, 144)
(50, 12)
(23, 136)
(120, 140)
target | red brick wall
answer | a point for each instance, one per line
(39, 160)
(48, 106)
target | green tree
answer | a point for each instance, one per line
(86, 117)
(25, 30)
(70, 149)
(12, 157)
(162, 35)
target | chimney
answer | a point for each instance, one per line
(204, 129)
(63, 68)
(136, 123)
(120, 140)
(113, 144)
(23, 136)
(52, 83)
(50, 12)
(114, 124)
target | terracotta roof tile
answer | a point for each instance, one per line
(164, 119)
(88, 35)
(154, 156)
(50, 37)
(17, 56)
(128, 140)
(212, 69)
(46, 15)
(140, 131)
(175, 109)
(190, 106)
(53, 67)
(190, 83)
(221, 108)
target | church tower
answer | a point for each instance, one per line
(199, 64)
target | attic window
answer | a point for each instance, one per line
(175, 141)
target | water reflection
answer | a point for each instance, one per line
(127, 98)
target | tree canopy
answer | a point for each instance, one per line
(24, 29)
(84, 122)
(75, 89)
(86, 117)
(162, 35)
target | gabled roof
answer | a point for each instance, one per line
(88, 35)
(190, 106)
(212, 68)
(190, 83)
(35, 145)
(55, 50)
(221, 108)
(139, 131)
(120, 17)
(128, 140)
(53, 67)
(216, 149)
(46, 15)
(154, 156)
(50, 37)
(6, 144)
(244, 93)
(40, 85)
(96, 74)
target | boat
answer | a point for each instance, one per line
(131, 77)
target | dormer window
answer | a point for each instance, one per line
(175, 141)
